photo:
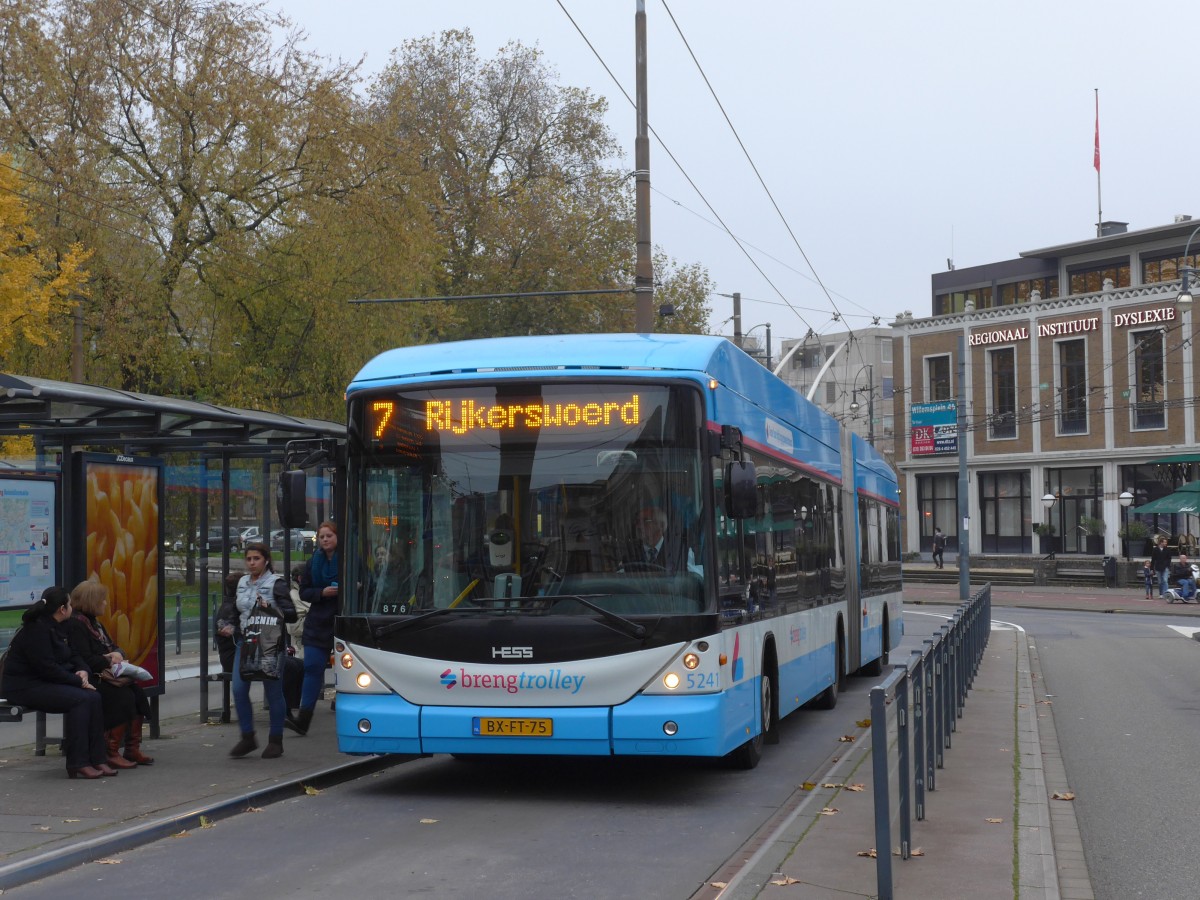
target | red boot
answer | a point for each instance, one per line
(113, 738)
(133, 744)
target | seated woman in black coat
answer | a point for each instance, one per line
(125, 704)
(42, 672)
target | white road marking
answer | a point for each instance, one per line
(1185, 631)
(997, 625)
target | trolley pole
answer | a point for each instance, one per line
(643, 281)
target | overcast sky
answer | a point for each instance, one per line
(891, 136)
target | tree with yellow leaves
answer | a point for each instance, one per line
(34, 286)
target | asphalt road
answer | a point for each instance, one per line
(1125, 692)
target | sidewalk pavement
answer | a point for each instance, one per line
(1005, 742)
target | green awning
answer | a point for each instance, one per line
(1184, 500)
(1181, 458)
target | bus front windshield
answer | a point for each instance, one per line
(550, 497)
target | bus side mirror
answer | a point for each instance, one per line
(290, 497)
(741, 489)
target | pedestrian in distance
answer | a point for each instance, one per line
(1160, 559)
(1150, 577)
(260, 588)
(42, 672)
(939, 547)
(319, 589)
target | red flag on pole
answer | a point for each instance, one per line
(1096, 155)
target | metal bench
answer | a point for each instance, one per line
(14, 712)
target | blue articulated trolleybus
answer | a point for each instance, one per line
(501, 594)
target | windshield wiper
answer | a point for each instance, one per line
(383, 630)
(625, 626)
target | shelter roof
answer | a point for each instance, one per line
(60, 412)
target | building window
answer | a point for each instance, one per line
(937, 505)
(1003, 398)
(1072, 387)
(807, 358)
(938, 370)
(887, 388)
(1006, 508)
(956, 301)
(1090, 281)
(1149, 389)
(885, 350)
(831, 393)
(1020, 291)
(1166, 268)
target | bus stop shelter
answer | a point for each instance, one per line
(98, 468)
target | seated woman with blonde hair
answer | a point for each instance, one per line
(125, 703)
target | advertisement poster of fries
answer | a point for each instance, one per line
(28, 537)
(122, 537)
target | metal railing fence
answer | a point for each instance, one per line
(914, 714)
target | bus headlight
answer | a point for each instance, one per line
(347, 661)
(671, 681)
(363, 680)
(691, 660)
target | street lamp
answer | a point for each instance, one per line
(746, 334)
(870, 389)
(1048, 501)
(1185, 271)
(1126, 500)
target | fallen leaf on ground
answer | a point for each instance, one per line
(718, 884)
(206, 822)
(917, 852)
(863, 723)
(311, 791)
(253, 809)
(847, 739)
(786, 879)
(854, 787)
(808, 785)
(994, 821)
(1047, 702)
(829, 811)
(183, 833)
(108, 861)
(70, 820)
(429, 821)
(42, 827)
(1063, 795)
(832, 784)
(870, 853)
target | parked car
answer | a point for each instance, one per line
(251, 534)
(219, 539)
(304, 540)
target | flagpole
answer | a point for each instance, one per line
(1096, 163)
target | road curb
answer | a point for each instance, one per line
(1068, 857)
(54, 861)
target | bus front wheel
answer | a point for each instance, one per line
(748, 755)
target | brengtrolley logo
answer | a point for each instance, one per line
(554, 680)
